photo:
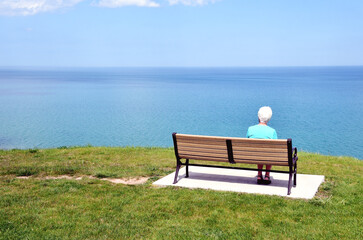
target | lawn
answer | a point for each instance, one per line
(39, 208)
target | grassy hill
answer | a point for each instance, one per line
(41, 208)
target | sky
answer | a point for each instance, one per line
(180, 33)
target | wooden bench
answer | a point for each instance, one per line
(277, 152)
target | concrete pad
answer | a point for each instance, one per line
(243, 181)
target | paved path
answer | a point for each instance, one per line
(243, 181)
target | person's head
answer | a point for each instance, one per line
(264, 114)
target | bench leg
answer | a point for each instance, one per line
(294, 179)
(289, 185)
(177, 172)
(187, 168)
(295, 172)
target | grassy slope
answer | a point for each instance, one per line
(94, 209)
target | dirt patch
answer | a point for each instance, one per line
(127, 181)
(57, 177)
(130, 181)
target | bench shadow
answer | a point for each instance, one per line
(231, 179)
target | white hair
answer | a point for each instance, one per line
(264, 114)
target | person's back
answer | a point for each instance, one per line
(261, 132)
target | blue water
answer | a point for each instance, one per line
(320, 108)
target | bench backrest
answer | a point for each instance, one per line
(233, 150)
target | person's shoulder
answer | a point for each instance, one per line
(254, 126)
(271, 128)
(252, 129)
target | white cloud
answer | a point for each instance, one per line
(122, 3)
(31, 7)
(191, 2)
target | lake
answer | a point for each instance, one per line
(320, 108)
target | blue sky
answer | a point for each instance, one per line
(207, 33)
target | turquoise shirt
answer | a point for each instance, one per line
(262, 132)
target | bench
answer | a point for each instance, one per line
(277, 152)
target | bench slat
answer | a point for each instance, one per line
(206, 154)
(259, 149)
(257, 145)
(209, 146)
(260, 141)
(196, 157)
(205, 142)
(262, 158)
(216, 138)
(265, 163)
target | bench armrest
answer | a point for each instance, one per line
(295, 157)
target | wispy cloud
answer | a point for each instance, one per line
(31, 7)
(191, 2)
(122, 3)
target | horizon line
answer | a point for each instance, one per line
(277, 66)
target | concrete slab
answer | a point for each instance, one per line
(243, 181)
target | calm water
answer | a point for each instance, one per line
(320, 108)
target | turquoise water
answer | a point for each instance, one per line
(320, 108)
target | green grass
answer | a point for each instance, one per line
(93, 209)
(96, 161)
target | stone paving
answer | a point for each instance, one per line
(243, 181)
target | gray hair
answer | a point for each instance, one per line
(264, 114)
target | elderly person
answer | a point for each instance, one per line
(262, 131)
